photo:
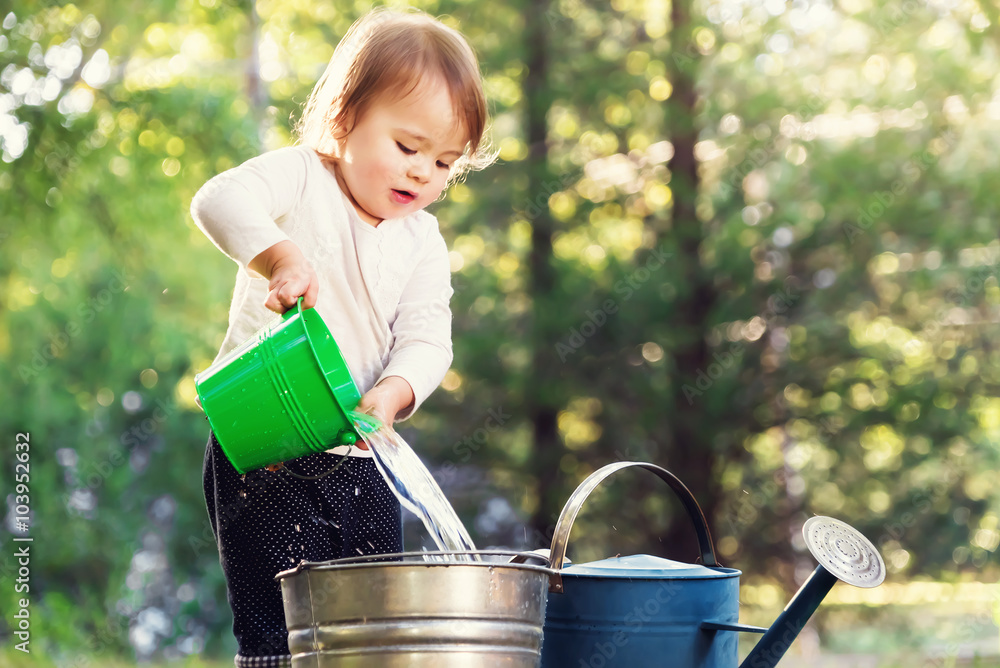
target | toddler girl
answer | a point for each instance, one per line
(339, 220)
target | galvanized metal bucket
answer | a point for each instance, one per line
(391, 611)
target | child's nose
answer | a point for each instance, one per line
(419, 169)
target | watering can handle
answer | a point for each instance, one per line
(560, 538)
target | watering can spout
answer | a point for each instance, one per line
(843, 554)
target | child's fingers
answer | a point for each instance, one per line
(374, 404)
(289, 293)
(311, 293)
(286, 292)
(277, 300)
(288, 284)
(272, 303)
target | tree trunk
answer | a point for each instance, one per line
(254, 87)
(541, 400)
(691, 456)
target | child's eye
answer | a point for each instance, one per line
(443, 165)
(404, 149)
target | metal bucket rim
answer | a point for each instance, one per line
(411, 559)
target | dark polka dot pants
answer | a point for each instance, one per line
(266, 522)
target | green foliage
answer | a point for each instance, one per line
(842, 281)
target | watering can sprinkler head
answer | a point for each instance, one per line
(843, 554)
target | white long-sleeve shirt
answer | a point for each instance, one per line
(384, 291)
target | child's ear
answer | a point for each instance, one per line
(339, 141)
(340, 127)
(340, 132)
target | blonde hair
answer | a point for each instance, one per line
(388, 53)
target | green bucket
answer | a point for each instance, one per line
(284, 393)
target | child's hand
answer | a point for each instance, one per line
(387, 399)
(290, 275)
(290, 281)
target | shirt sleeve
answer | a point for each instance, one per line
(421, 351)
(240, 209)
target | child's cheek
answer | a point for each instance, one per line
(380, 173)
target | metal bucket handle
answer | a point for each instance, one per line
(560, 538)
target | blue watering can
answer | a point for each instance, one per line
(643, 611)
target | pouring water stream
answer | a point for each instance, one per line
(415, 487)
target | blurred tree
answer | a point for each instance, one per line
(544, 397)
(751, 243)
(104, 319)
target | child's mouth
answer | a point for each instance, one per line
(403, 196)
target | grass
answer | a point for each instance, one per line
(956, 628)
(12, 658)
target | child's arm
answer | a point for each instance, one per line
(240, 211)
(421, 349)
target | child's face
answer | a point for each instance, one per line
(397, 158)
